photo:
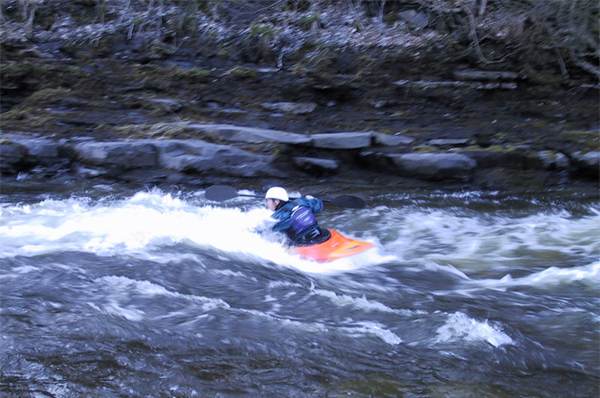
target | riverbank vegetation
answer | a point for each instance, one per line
(536, 34)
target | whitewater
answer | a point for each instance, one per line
(157, 293)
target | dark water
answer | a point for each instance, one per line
(153, 294)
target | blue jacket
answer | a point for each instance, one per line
(296, 219)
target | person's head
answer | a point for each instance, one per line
(275, 197)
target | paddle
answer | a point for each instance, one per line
(222, 193)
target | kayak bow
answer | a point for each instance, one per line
(336, 247)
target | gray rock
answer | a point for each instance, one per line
(449, 142)
(589, 159)
(63, 22)
(21, 153)
(553, 161)
(86, 172)
(12, 157)
(125, 155)
(250, 134)
(508, 158)
(417, 19)
(475, 74)
(296, 108)
(434, 166)
(317, 165)
(73, 102)
(391, 140)
(587, 163)
(202, 157)
(167, 104)
(347, 140)
(41, 148)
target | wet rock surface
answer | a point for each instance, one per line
(356, 156)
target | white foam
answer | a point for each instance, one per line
(122, 286)
(460, 327)
(589, 274)
(361, 303)
(469, 241)
(373, 328)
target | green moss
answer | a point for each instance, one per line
(501, 148)
(158, 130)
(193, 74)
(582, 134)
(537, 124)
(425, 149)
(46, 96)
(242, 72)
(261, 30)
(161, 76)
(492, 148)
(29, 116)
(308, 22)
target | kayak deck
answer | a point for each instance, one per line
(337, 246)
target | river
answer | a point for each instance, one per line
(160, 293)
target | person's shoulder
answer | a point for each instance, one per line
(315, 204)
(286, 208)
(303, 201)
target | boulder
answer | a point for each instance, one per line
(124, 155)
(165, 103)
(426, 166)
(419, 20)
(507, 158)
(450, 142)
(317, 166)
(41, 150)
(588, 163)
(347, 140)
(391, 140)
(21, 153)
(554, 160)
(475, 74)
(296, 108)
(250, 134)
(12, 157)
(205, 157)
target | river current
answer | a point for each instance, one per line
(107, 292)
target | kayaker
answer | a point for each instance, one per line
(296, 218)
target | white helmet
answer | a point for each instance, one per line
(277, 193)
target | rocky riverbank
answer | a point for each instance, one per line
(287, 95)
(284, 157)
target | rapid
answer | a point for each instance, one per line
(155, 293)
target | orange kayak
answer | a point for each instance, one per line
(336, 247)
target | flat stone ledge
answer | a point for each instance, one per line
(587, 163)
(317, 165)
(296, 108)
(435, 166)
(250, 134)
(425, 166)
(347, 140)
(449, 142)
(474, 74)
(391, 140)
(127, 155)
